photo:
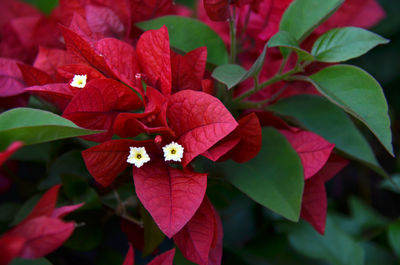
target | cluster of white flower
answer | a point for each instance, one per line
(138, 155)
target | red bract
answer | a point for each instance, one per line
(144, 10)
(313, 150)
(217, 10)
(97, 105)
(199, 121)
(188, 70)
(11, 80)
(9, 151)
(163, 259)
(200, 239)
(153, 53)
(248, 139)
(314, 204)
(115, 152)
(41, 232)
(170, 195)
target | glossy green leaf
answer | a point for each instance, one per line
(229, 74)
(286, 40)
(342, 44)
(335, 247)
(394, 237)
(376, 254)
(303, 16)
(187, 34)
(319, 115)
(274, 178)
(33, 126)
(153, 236)
(359, 94)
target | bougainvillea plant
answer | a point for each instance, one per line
(171, 112)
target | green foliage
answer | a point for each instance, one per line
(41, 261)
(331, 123)
(44, 5)
(342, 44)
(229, 74)
(187, 34)
(359, 94)
(278, 184)
(286, 40)
(33, 126)
(303, 16)
(335, 247)
(394, 237)
(25, 209)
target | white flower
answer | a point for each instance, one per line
(79, 81)
(173, 151)
(138, 156)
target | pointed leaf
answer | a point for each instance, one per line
(187, 34)
(331, 123)
(342, 44)
(278, 184)
(33, 126)
(209, 122)
(286, 40)
(170, 195)
(229, 74)
(303, 16)
(394, 237)
(358, 93)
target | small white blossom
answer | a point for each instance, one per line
(138, 156)
(79, 81)
(173, 151)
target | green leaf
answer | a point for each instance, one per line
(274, 178)
(70, 163)
(303, 16)
(41, 261)
(78, 190)
(44, 5)
(33, 126)
(376, 254)
(394, 237)
(342, 44)
(335, 247)
(327, 120)
(153, 236)
(365, 216)
(25, 209)
(229, 74)
(393, 184)
(232, 74)
(358, 93)
(286, 40)
(187, 34)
